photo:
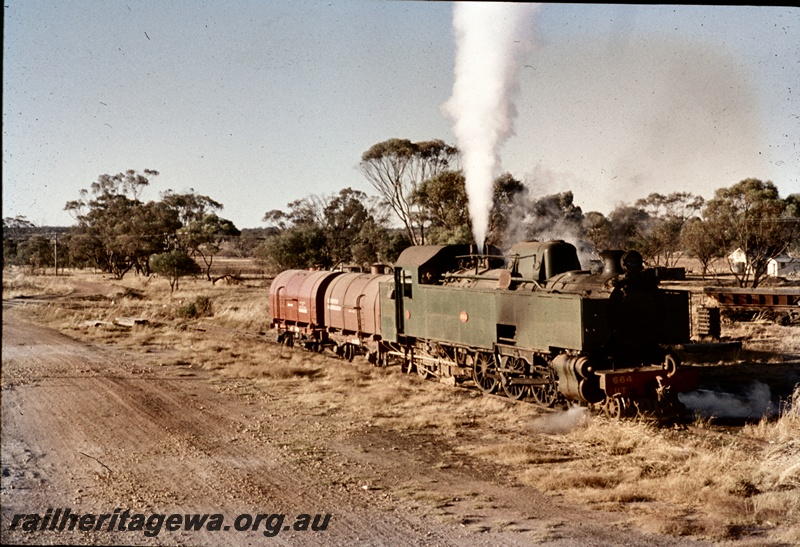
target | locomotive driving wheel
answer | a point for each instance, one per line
(517, 367)
(544, 394)
(484, 372)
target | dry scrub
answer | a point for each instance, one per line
(670, 481)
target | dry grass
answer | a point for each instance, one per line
(765, 336)
(17, 283)
(709, 489)
(669, 481)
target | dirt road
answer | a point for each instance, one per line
(96, 430)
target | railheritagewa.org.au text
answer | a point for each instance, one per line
(151, 525)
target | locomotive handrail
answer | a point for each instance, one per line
(472, 276)
(493, 278)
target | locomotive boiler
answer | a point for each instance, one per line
(530, 325)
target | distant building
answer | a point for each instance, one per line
(738, 261)
(783, 266)
(780, 266)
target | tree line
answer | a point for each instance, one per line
(116, 232)
(421, 199)
(422, 186)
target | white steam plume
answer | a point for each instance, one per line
(562, 422)
(756, 403)
(490, 38)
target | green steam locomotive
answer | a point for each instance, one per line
(532, 325)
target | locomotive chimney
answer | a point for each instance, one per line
(611, 263)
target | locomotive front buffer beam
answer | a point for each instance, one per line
(648, 391)
(641, 382)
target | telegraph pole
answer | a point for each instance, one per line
(55, 252)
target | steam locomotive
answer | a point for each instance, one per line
(531, 325)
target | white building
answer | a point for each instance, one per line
(783, 266)
(738, 260)
(780, 266)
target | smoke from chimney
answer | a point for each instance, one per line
(490, 40)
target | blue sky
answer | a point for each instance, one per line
(258, 103)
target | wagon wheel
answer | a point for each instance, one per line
(545, 395)
(312, 345)
(405, 365)
(514, 391)
(483, 371)
(349, 351)
(424, 370)
(615, 407)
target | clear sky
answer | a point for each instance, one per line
(260, 102)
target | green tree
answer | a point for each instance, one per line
(667, 216)
(793, 205)
(751, 216)
(36, 252)
(190, 206)
(323, 232)
(442, 200)
(597, 230)
(202, 231)
(250, 238)
(397, 167)
(554, 216)
(629, 229)
(507, 193)
(296, 247)
(116, 230)
(173, 265)
(343, 218)
(701, 241)
(793, 212)
(299, 240)
(15, 230)
(204, 237)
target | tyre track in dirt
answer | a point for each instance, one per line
(95, 429)
(135, 442)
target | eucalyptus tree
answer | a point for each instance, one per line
(751, 216)
(396, 168)
(115, 229)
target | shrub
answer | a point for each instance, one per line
(199, 308)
